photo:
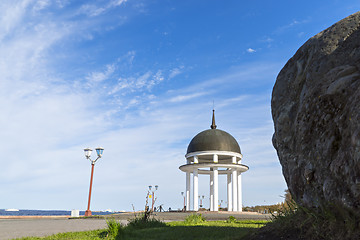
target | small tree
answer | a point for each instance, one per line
(148, 211)
(144, 218)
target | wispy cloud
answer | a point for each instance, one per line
(175, 71)
(94, 10)
(116, 3)
(250, 50)
(145, 81)
(267, 39)
(11, 16)
(50, 116)
(96, 77)
(39, 108)
(292, 24)
(41, 4)
(182, 98)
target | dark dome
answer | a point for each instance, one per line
(213, 139)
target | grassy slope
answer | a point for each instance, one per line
(333, 222)
(96, 234)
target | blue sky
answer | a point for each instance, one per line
(139, 78)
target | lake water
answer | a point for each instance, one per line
(45, 213)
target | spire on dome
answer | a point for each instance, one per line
(213, 125)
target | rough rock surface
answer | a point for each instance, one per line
(316, 112)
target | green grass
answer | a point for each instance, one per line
(190, 232)
(330, 222)
(96, 234)
(173, 230)
(139, 222)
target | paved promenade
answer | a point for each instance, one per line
(39, 227)
(43, 226)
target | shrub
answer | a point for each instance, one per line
(194, 219)
(332, 222)
(231, 219)
(115, 229)
(140, 222)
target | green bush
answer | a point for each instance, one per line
(115, 229)
(140, 222)
(231, 219)
(194, 219)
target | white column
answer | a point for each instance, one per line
(215, 185)
(229, 191)
(211, 189)
(234, 186)
(216, 189)
(215, 158)
(196, 190)
(239, 192)
(196, 186)
(187, 191)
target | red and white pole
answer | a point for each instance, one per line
(88, 212)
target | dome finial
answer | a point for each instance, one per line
(213, 125)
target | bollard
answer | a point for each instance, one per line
(75, 213)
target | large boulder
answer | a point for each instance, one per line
(316, 111)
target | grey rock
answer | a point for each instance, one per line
(316, 111)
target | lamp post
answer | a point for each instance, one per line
(201, 200)
(182, 194)
(99, 152)
(153, 196)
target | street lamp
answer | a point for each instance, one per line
(201, 200)
(220, 202)
(99, 152)
(182, 194)
(153, 196)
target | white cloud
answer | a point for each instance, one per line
(142, 81)
(117, 2)
(233, 100)
(292, 24)
(250, 50)
(45, 116)
(156, 79)
(175, 71)
(96, 77)
(49, 118)
(145, 81)
(267, 40)
(11, 16)
(130, 56)
(62, 3)
(181, 98)
(94, 10)
(41, 4)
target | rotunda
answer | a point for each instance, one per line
(213, 152)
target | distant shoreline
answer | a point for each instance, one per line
(32, 217)
(42, 213)
(164, 216)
